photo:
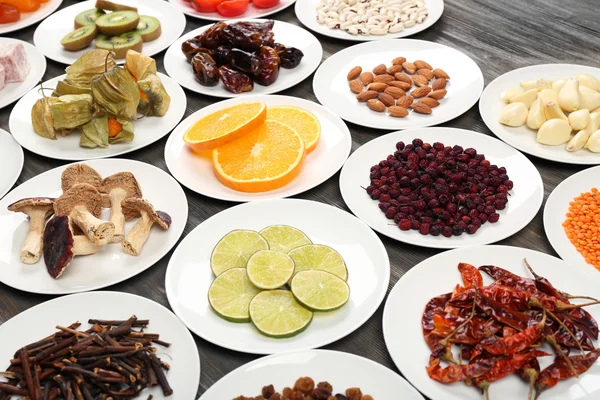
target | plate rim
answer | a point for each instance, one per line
(35, 19)
(21, 156)
(216, 19)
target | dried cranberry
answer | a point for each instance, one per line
(385, 197)
(493, 217)
(447, 231)
(415, 224)
(457, 230)
(424, 229)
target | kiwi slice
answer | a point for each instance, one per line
(80, 38)
(87, 17)
(110, 6)
(120, 44)
(118, 22)
(149, 28)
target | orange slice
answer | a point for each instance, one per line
(303, 121)
(266, 158)
(225, 125)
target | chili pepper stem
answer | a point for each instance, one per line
(572, 297)
(562, 306)
(554, 317)
(552, 340)
(485, 387)
(444, 341)
(530, 269)
(532, 374)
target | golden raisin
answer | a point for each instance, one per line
(354, 394)
(304, 385)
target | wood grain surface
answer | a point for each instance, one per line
(500, 35)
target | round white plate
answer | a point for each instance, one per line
(331, 84)
(523, 138)
(189, 275)
(290, 35)
(184, 374)
(196, 172)
(13, 91)
(282, 370)
(438, 275)
(306, 11)
(31, 18)
(110, 265)
(12, 158)
(252, 12)
(147, 130)
(557, 207)
(524, 201)
(49, 33)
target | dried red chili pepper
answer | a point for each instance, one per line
(560, 370)
(472, 333)
(508, 278)
(508, 365)
(514, 299)
(585, 321)
(470, 275)
(436, 304)
(457, 373)
(515, 343)
(502, 313)
(543, 285)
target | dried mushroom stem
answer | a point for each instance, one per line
(82, 246)
(31, 250)
(137, 236)
(97, 230)
(116, 196)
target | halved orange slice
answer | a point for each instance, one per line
(301, 120)
(266, 158)
(225, 125)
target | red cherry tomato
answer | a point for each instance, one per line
(233, 8)
(265, 3)
(9, 14)
(206, 6)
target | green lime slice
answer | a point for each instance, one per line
(268, 269)
(284, 238)
(320, 290)
(231, 293)
(318, 256)
(234, 250)
(276, 313)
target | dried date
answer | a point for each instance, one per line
(192, 47)
(290, 57)
(239, 36)
(222, 55)
(246, 62)
(234, 80)
(205, 69)
(270, 70)
(213, 36)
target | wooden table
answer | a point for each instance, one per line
(500, 35)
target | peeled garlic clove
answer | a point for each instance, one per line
(548, 95)
(593, 143)
(588, 81)
(558, 84)
(538, 84)
(568, 97)
(589, 99)
(536, 116)
(554, 132)
(553, 111)
(513, 114)
(510, 93)
(581, 137)
(579, 119)
(527, 97)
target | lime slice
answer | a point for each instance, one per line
(276, 313)
(284, 237)
(317, 256)
(231, 293)
(234, 250)
(268, 269)
(320, 290)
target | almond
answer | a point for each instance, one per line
(438, 84)
(378, 86)
(387, 99)
(395, 92)
(393, 69)
(354, 73)
(420, 92)
(409, 67)
(356, 86)
(398, 61)
(438, 94)
(376, 105)
(440, 73)
(421, 108)
(422, 64)
(366, 78)
(427, 73)
(429, 102)
(367, 95)
(403, 78)
(420, 80)
(383, 78)
(397, 112)
(401, 85)
(404, 101)
(380, 69)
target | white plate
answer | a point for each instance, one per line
(306, 11)
(184, 374)
(31, 18)
(12, 158)
(147, 130)
(557, 207)
(438, 275)
(326, 159)
(109, 266)
(49, 33)
(522, 137)
(13, 91)
(189, 275)
(290, 35)
(282, 370)
(524, 201)
(252, 12)
(331, 84)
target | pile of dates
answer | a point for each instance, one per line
(239, 54)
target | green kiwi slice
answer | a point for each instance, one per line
(87, 17)
(80, 38)
(149, 28)
(120, 44)
(110, 6)
(118, 22)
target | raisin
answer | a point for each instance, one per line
(321, 393)
(305, 385)
(235, 81)
(354, 394)
(275, 396)
(325, 385)
(268, 391)
(367, 397)
(340, 396)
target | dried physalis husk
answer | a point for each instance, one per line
(156, 100)
(95, 133)
(71, 111)
(117, 92)
(41, 118)
(90, 64)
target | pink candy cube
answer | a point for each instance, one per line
(14, 60)
(2, 77)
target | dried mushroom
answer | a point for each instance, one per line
(75, 174)
(119, 187)
(38, 209)
(137, 236)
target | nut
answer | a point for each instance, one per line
(422, 64)
(387, 99)
(398, 61)
(367, 95)
(421, 92)
(397, 112)
(376, 105)
(440, 73)
(354, 73)
(395, 92)
(404, 101)
(366, 78)
(420, 80)
(438, 84)
(403, 78)
(409, 67)
(378, 86)
(380, 69)
(356, 86)
(384, 78)
(438, 94)
(394, 69)
(427, 73)
(401, 85)
(421, 108)
(429, 102)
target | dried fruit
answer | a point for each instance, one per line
(356, 86)
(380, 69)
(397, 112)
(409, 67)
(421, 108)
(427, 73)
(403, 78)
(430, 102)
(395, 92)
(384, 78)
(368, 95)
(420, 80)
(398, 61)
(438, 84)
(387, 99)
(400, 85)
(420, 64)
(378, 86)
(438, 94)
(354, 73)
(440, 73)
(404, 101)
(394, 69)
(421, 92)
(366, 78)
(376, 105)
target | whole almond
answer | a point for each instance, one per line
(366, 78)
(438, 84)
(387, 99)
(422, 64)
(409, 67)
(438, 94)
(427, 73)
(421, 108)
(401, 85)
(354, 73)
(420, 92)
(420, 80)
(397, 112)
(380, 69)
(367, 95)
(403, 78)
(393, 69)
(429, 102)
(440, 73)
(376, 105)
(404, 101)
(395, 92)
(378, 86)
(355, 86)
(383, 78)
(398, 61)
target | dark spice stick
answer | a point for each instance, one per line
(27, 372)
(160, 374)
(36, 381)
(138, 323)
(10, 389)
(59, 346)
